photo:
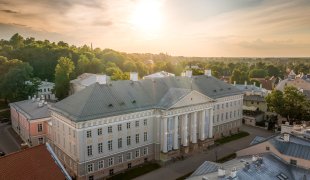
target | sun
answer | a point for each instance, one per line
(147, 16)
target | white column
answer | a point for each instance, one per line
(202, 125)
(194, 127)
(165, 135)
(175, 134)
(211, 124)
(184, 129)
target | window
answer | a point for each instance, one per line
(145, 151)
(110, 161)
(230, 104)
(111, 172)
(90, 168)
(91, 177)
(226, 115)
(128, 125)
(100, 148)
(218, 118)
(218, 106)
(137, 153)
(90, 150)
(267, 148)
(88, 134)
(222, 116)
(110, 129)
(222, 106)
(137, 138)
(252, 102)
(137, 123)
(40, 127)
(293, 162)
(110, 145)
(40, 139)
(257, 103)
(226, 104)
(230, 115)
(128, 156)
(99, 131)
(129, 165)
(128, 140)
(120, 159)
(145, 122)
(119, 127)
(145, 136)
(100, 165)
(120, 143)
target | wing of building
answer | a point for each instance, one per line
(106, 128)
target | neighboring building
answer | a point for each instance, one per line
(32, 163)
(254, 103)
(45, 90)
(85, 80)
(268, 84)
(302, 130)
(278, 157)
(30, 120)
(300, 81)
(160, 74)
(108, 128)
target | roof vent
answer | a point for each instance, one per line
(286, 137)
(133, 102)
(110, 105)
(122, 103)
(221, 172)
(229, 88)
(233, 173)
(246, 166)
(214, 90)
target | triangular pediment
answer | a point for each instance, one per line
(192, 98)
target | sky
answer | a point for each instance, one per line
(221, 28)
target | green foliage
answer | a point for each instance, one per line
(239, 76)
(136, 171)
(233, 137)
(63, 70)
(291, 104)
(258, 73)
(13, 76)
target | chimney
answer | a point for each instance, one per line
(254, 158)
(101, 79)
(221, 172)
(286, 137)
(247, 166)
(234, 83)
(261, 86)
(134, 76)
(188, 73)
(254, 83)
(208, 72)
(245, 83)
(233, 173)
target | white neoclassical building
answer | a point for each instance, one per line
(107, 128)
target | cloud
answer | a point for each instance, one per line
(9, 11)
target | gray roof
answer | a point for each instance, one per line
(31, 110)
(120, 97)
(257, 139)
(292, 148)
(255, 98)
(271, 168)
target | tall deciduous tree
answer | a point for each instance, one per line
(63, 70)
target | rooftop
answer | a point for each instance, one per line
(121, 97)
(269, 168)
(32, 163)
(158, 75)
(31, 109)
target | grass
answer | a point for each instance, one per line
(136, 171)
(185, 176)
(233, 137)
(5, 114)
(227, 158)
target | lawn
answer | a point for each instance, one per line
(136, 171)
(233, 137)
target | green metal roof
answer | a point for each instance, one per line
(121, 97)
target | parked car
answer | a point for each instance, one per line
(2, 153)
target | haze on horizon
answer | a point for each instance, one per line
(177, 27)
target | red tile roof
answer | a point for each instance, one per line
(32, 163)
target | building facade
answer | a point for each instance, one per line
(108, 128)
(45, 90)
(30, 121)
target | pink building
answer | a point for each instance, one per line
(30, 121)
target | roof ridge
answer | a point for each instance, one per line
(22, 150)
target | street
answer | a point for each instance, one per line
(8, 144)
(180, 168)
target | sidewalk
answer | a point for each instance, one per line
(180, 168)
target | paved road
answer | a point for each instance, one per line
(180, 168)
(8, 144)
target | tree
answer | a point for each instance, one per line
(239, 76)
(258, 73)
(13, 77)
(63, 70)
(291, 104)
(17, 41)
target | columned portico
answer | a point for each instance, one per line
(211, 124)
(185, 130)
(194, 127)
(202, 125)
(165, 142)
